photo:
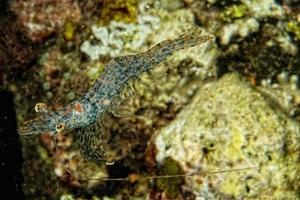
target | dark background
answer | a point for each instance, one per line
(11, 155)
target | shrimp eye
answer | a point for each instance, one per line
(60, 127)
(40, 108)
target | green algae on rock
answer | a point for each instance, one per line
(294, 28)
(119, 10)
(172, 185)
(229, 125)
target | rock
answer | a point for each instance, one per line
(231, 125)
(43, 18)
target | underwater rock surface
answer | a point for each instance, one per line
(232, 125)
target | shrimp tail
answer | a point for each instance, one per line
(192, 37)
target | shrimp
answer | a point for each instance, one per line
(108, 87)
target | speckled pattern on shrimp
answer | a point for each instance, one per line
(106, 92)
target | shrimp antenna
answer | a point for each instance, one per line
(134, 177)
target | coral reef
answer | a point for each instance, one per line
(231, 125)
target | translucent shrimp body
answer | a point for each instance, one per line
(108, 87)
